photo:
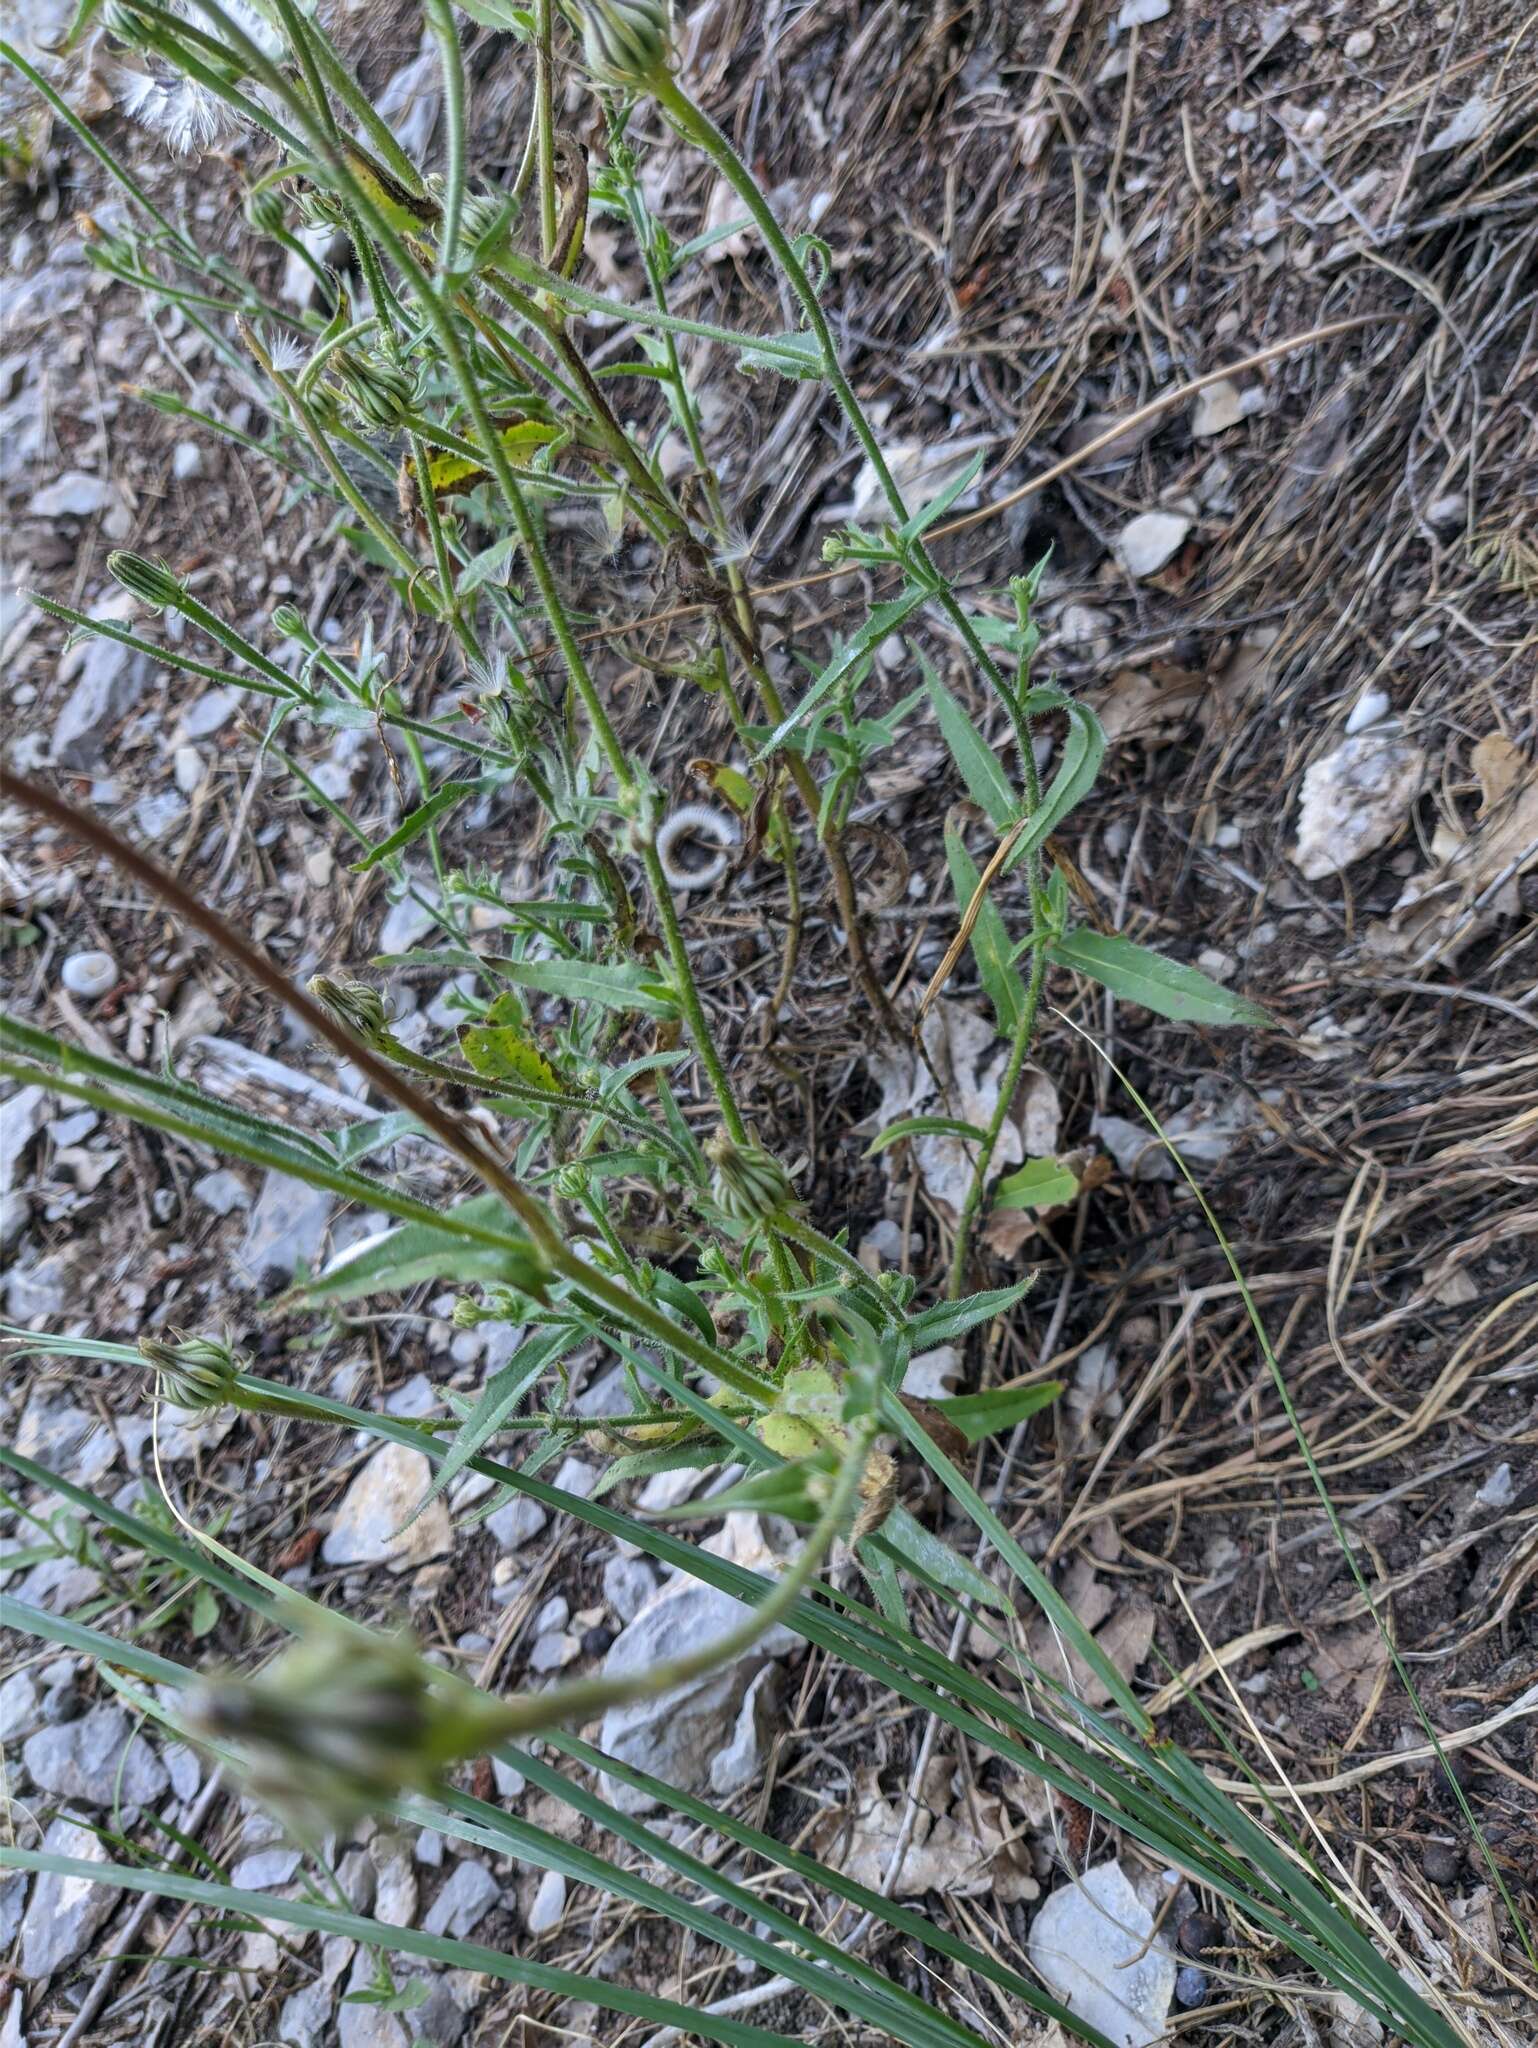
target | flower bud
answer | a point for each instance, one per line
(265, 211)
(380, 393)
(487, 214)
(342, 1724)
(288, 620)
(748, 1184)
(195, 1372)
(627, 42)
(317, 209)
(151, 582)
(571, 1183)
(355, 1005)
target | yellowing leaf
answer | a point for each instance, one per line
(729, 783)
(499, 1051)
(444, 471)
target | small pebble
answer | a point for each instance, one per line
(1359, 44)
(1190, 1986)
(89, 975)
(1368, 709)
(549, 1903)
(1442, 1862)
(595, 1641)
(1200, 1934)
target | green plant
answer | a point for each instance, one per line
(451, 403)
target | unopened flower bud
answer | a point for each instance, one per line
(341, 1724)
(195, 1372)
(318, 209)
(748, 1184)
(571, 1183)
(380, 393)
(151, 582)
(355, 1005)
(288, 620)
(627, 42)
(486, 214)
(265, 211)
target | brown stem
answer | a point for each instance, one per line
(90, 831)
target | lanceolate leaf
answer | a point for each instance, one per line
(996, 1408)
(615, 984)
(990, 939)
(1039, 1184)
(951, 1319)
(1136, 975)
(981, 769)
(416, 823)
(883, 619)
(1083, 751)
(394, 1260)
(498, 1398)
(925, 1554)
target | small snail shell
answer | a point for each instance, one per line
(700, 822)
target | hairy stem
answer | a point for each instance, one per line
(1020, 1045)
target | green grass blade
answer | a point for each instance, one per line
(401, 1941)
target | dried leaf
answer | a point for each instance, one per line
(974, 1850)
(1500, 766)
(1444, 909)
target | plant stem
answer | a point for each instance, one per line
(1019, 1047)
(441, 19)
(544, 127)
(696, 125)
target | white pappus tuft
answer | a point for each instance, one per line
(702, 823)
(187, 115)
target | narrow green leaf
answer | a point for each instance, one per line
(948, 1320)
(395, 1260)
(990, 939)
(1039, 1184)
(1134, 974)
(921, 521)
(1083, 752)
(938, 1562)
(794, 354)
(923, 1127)
(883, 619)
(614, 984)
(995, 1408)
(611, 1994)
(693, 1456)
(981, 769)
(373, 1134)
(416, 823)
(496, 1401)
